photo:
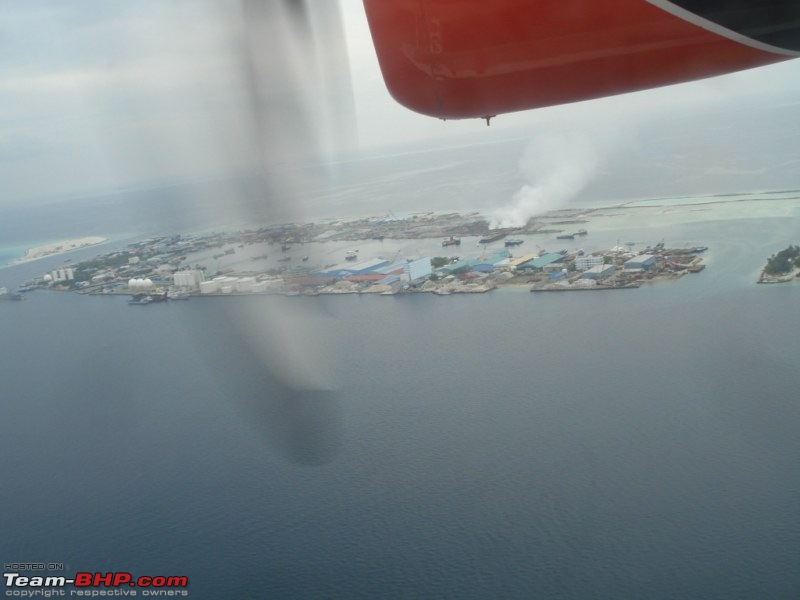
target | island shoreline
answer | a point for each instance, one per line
(57, 248)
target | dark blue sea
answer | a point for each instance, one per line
(628, 444)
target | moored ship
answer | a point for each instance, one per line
(491, 238)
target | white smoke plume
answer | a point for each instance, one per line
(557, 166)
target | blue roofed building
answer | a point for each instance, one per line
(364, 267)
(418, 269)
(598, 272)
(486, 264)
(456, 267)
(482, 267)
(540, 262)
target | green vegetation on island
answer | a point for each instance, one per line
(782, 266)
(784, 261)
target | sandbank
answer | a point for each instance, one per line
(59, 248)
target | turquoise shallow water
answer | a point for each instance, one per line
(8, 254)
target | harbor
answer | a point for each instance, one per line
(377, 255)
(623, 246)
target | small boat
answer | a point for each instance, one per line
(140, 300)
(514, 242)
(304, 259)
(451, 241)
(582, 232)
(566, 236)
(351, 255)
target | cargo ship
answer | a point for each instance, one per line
(147, 298)
(514, 242)
(491, 238)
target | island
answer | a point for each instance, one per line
(59, 248)
(377, 255)
(782, 267)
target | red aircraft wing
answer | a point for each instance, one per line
(457, 59)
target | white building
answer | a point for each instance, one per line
(59, 275)
(226, 284)
(245, 284)
(209, 287)
(584, 263)
(188, 279)
(100, 277)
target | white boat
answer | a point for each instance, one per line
(351, 255)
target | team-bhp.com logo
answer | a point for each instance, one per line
(115, 583)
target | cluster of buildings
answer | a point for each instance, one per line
(60, 275)
(172, 263)
(356, 274)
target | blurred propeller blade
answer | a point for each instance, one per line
(298, 9)
(296, 67)
(295, 70)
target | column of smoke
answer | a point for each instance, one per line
(557, 165)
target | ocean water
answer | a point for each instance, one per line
(628, 444)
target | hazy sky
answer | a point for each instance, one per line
(115, 93)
